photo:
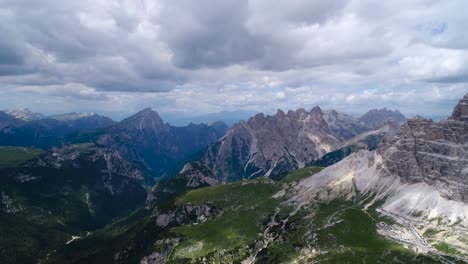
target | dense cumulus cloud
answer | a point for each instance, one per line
(116, 56)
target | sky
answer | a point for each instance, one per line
(118, 56)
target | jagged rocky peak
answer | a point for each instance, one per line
(144, 120)
(432, 152)
(461, 110)
(316, 116)
(270, 145)
(25, 114)
(419, 172)
(378, 117)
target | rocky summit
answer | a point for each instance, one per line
(161, 148)
(271, 145)
(435, 153)
(417, 176)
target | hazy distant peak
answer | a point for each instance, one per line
(377, 117)
(71, 116)
(25, 114)
(144, 119)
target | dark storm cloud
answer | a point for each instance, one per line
(209, 33)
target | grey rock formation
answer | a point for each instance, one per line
(376, 118)
(460, 112)
(193, 175)
(368, 140)
(271, 145)
(432, 152)
(344, 126)
(184, 214)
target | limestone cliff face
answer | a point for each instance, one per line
(421, 171)
(432, 152)
(271, 145)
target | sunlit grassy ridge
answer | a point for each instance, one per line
(11, 157)
(245, 205)
(300, 174)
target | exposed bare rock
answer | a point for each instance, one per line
(344, 126)
(197, 175)
(193, 175)
(460, 112)
(433, 153)
(179, 215)
(422, 170)
(368, 140)
(165, 248)
(271, 145)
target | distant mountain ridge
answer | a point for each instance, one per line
(378, 117)
(25, 114)
(162, 148)
(48, 131)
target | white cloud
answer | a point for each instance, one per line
(210, 56)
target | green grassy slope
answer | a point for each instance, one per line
(335, 232)
(245, 205)
(11, 157)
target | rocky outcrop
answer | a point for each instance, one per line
(271, 145)
(193, 175)
(344, 126)
(460, 113)
(435, 153)
(421, 171)
(184, 214)
(376, 118)
(368, 140)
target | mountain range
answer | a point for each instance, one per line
(297, 187)
(401, 199)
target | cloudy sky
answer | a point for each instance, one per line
(118, 56)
